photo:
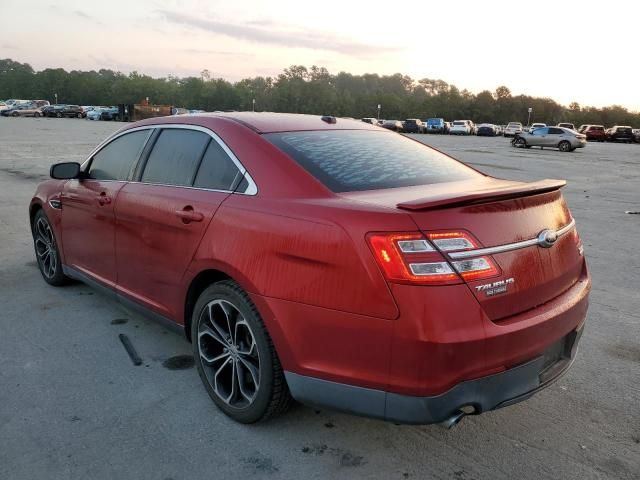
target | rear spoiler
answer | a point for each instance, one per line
(488, 194)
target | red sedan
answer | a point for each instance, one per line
(325, 260)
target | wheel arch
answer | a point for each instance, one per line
(197, 285)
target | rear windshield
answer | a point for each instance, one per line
(353, 160)
(435, 121)
(512, 124)
(459, 123)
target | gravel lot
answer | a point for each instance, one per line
(72, 405)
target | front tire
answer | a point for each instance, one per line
(47, 253)
(235, 357)
(519, 142)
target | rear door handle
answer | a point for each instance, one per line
(103, 199)
(188, 215)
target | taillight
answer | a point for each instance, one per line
(410, 258)
(416, 259)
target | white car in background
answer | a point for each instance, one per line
(3, 106)
(462, 127)
(536, 125)
(512, 129)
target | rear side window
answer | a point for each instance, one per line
(352, 160)
(555, 131)
(175, 157)
(217, 171)
(114, 161)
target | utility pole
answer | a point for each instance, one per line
(379, 107)
(529, 117)
(253, 105)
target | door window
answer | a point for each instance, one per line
(175, 157)
(555, 131)
(217, 171)
(540, 131)
(114, 161)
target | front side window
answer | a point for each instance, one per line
(175, 157)
(540, 131)
(353, 160)
(555, 131)
(114, 161)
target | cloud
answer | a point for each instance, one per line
(199, 51)
(277, 35)
(81, 14)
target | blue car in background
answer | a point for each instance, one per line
(435, 125)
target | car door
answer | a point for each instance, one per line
(161, 218)
(88, 207)
(538, 137)
(554, 137)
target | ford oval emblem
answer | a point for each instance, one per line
(547, 238)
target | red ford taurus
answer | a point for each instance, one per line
(325, 260)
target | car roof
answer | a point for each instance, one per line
(269, 122)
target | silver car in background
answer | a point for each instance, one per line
(563, 139)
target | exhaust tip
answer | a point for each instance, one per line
(453, 420)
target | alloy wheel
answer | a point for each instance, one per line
(45, 248)
(228, 353)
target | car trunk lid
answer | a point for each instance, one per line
(500, 213)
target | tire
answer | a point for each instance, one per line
(79, 115)
(15, 114)
(564, 146)
(58, 115)
(224, 311)
(519, 142)
(46, 250)
(36, 115)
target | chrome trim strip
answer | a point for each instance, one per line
(509, 246)
(252, 188)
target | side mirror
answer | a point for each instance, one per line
(65, 170)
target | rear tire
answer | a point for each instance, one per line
(564, 146)
(235, 357)
(46, 249)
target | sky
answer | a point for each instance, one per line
(567, 50)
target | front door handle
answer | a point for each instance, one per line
(103, 199)
(188, 215)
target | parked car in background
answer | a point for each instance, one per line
(512, 129)
(447, 127)
(594, 132)
(582, 127)
(53, 110)
(71, 111)
(636, 135)
(4, 106)
(95, 113)
(413, 125)
(564, 139)
(499, 129)
(536, 125)
(370, 120)
(410, 287)
(435, 125)
(487, 130)
(26, 111)
(620, 134)
(110, 113)
(570, 126)
(461, 127)
(395, 125)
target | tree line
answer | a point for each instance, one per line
(299, 89)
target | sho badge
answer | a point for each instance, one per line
(491, 289)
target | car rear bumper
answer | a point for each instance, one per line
(483, 394)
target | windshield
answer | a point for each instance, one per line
(353, 160)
